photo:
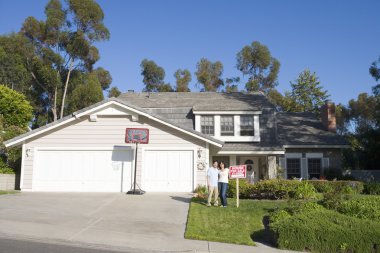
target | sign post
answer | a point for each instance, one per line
(136, 135)
(238, 171)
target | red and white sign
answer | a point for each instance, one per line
(238, 171)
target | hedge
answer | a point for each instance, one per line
(285, 189)
(372, 188)
(322, 230)
(272, 189)
(348, 187)
(365, 208)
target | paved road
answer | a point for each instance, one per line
(27, 246)
(152, 222)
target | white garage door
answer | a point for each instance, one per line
(168, 171)
(82, 170)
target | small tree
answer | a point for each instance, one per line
(256, 61)
(232, 84)
(154, 76)
(209, 74)
(307, 94)
(15, 110)
(114, 92)
(183, 78)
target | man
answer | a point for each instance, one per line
(212, 182)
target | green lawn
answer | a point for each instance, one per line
(231, 224)
(7, 192)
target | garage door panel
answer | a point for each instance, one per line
(82, 170)
(168, 171)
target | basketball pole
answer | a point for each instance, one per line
(134, 180)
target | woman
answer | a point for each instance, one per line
(223, 183)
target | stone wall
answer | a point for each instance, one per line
(7, 182)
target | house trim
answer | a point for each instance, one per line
(279, 152)
(225, 112)
(316, 146)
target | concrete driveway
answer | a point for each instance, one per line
(118, 221)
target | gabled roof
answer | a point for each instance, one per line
(199, 101)
(305, 129)
(138, 110)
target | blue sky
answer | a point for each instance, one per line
(336, 39)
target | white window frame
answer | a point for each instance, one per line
(236, 137)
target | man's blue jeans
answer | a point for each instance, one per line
(223, 187)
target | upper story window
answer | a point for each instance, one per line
(207, 125)
(246, 125)
(227, 125)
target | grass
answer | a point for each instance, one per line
(7, 192)
(240, 225)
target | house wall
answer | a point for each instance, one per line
(108, 131)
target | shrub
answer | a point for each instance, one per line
(372, 188)
(327, 231)
(201, 191)
(348, 187)
(303, 190)
(245, 189)
(274, 189)
(364, 208)
(332, 200)
(279, 215)
(4, 169)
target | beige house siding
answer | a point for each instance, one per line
(108, 131)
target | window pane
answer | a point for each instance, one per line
(246, 125)
(314, 167)
(293, 167)
(207, 125)
(227, 125)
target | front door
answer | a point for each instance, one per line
(252, 168)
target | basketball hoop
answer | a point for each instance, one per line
(136, 135)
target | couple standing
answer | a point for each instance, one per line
(217, 180)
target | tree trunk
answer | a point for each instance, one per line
(54, 108)
(66, 84)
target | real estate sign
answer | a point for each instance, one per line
(238, 171)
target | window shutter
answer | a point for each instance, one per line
(282, 163)
(325, 163)
(304, 172)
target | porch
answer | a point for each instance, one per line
(259, 166)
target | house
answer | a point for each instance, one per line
(86, 151)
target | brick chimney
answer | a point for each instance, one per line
(328, 116)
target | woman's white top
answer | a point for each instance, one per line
(223, 176)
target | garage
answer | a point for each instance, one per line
(168, 170)
(82, 170)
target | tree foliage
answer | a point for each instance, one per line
(154, 76)
(256, 61)
(183, 78)
(114, 92)
(232, 84)
(15, 110)
(360, 123)
(307, 95)
(64, 43)
(209, 74)
(87, 92)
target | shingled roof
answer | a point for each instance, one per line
(304, 129)
(199, 101)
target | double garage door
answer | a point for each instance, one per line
(111, 170)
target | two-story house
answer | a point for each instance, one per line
(86, 151)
